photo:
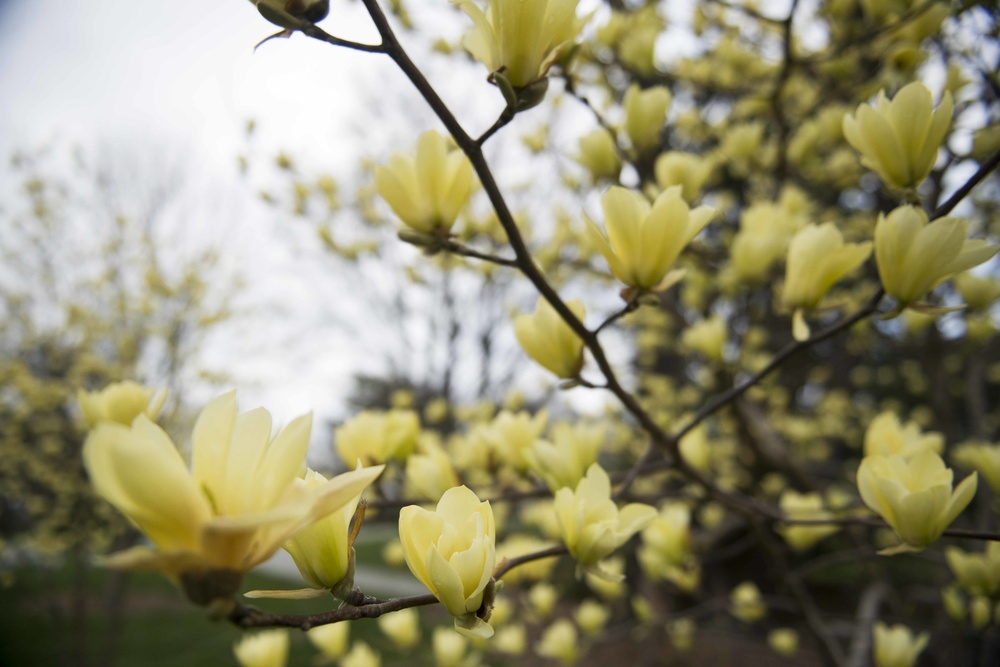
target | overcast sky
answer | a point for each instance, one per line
(182, 75)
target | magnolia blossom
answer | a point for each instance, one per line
(521, 40)
(590, 523)
(236, 506)
(563, 459)
(644, 240)
(888, 436)
(817, 259)
(914, 255)
(897, 646)
(121, 402)
(428, 189)
(978, 573)
(375, 437)
(452, 551)
(547, 339)
(899, 139)
(645, 114)
(914, 495)
(268, 648)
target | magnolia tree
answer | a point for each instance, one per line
(801, 366)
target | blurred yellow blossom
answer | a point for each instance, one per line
(374, 437)
(896, 646)
(268, 648)
(121, 402)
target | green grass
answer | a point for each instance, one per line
(159, 627)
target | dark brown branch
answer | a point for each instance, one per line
(250, 617)
(984, 170)
(458, 249)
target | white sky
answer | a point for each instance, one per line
(183, 74)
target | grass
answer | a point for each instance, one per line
(158, 628)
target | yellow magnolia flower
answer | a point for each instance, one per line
(591, 525)
(804, 506)
(562, 460)
(430, 473)
(361, 655)
(645, 114)
(784, 641)
(510, 435)
(548, 339)
(766, 228)
(888, 436)
(914, 495)
(121, 402)
(688, 170)
(817, 258)
(452, 551)
(645, 239)
(560, 642)
(330, 640)
(707, 336)
(896, 646)
(449, 649)
(521, 40)
(915, 256)
(899, 139)
(746, 603)
(599, 154)
(268, 648)
(427, 190)
(981, 457)
(978, 292)
(324, 552)
(402, 627)
(375, 437)
(234, 509)
(977, 573)
(666, 548)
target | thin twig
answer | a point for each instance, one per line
(505, 117)
(246, 616)
(458, 249)
(316, 32)
(630, 307)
